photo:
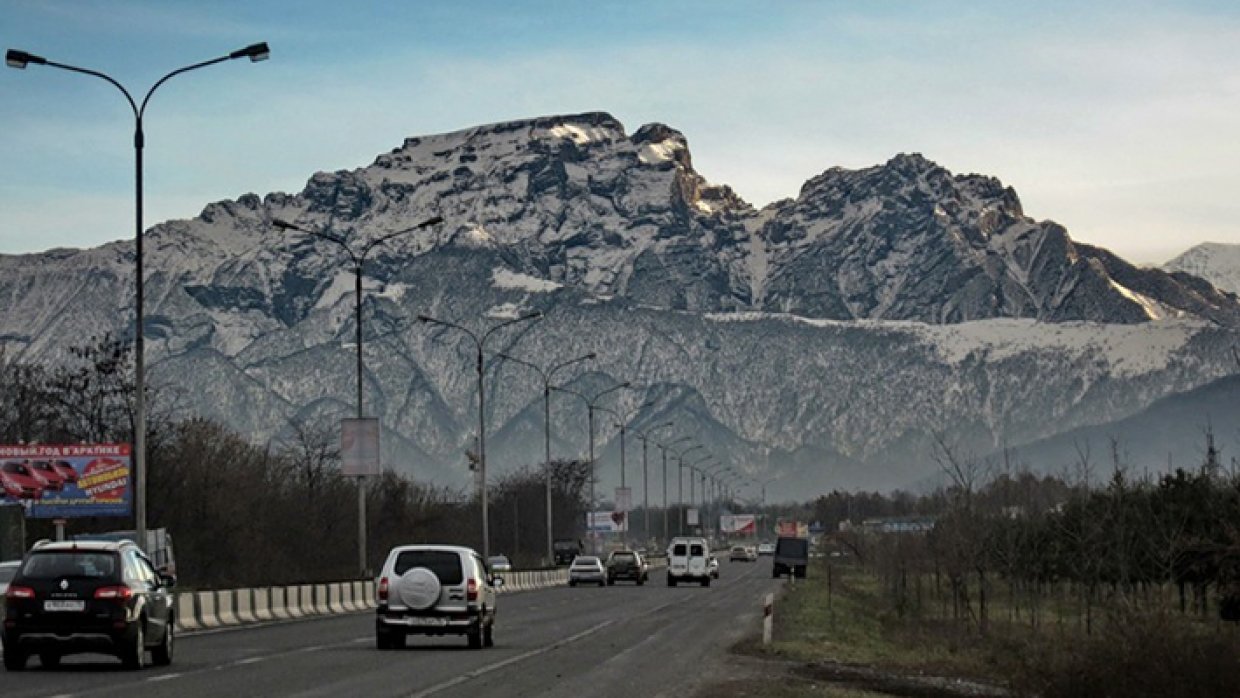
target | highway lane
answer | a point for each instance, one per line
(622, 640)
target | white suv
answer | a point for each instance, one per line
(435, 590)
(688, 560)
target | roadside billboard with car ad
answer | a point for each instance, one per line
(67, 481)
(607, 522)
(738, 524)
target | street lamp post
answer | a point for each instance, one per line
(622, 422)
(359, 262)
(591, 406)
(664, 448)
(645, 439)
(19, 60)
(547, 374)
(480, 343)
(680, 487)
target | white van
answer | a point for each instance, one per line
(688, 560)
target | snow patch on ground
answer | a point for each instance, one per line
(516, 281)
(654, 153)
(503, 311)
(579, 134)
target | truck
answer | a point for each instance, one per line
(565, 549)
(791, 557)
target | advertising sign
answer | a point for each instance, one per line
(624, 499)
(68, 481)
(607, 521)
(792, 529)
(691, 516)
(739, 524)
(359, 447)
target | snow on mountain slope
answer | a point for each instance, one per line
(1215, 262)
(835, 332)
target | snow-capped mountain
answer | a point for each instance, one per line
(1216, 262)
(828, 337)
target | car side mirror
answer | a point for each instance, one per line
(497, 582)
(167, 580)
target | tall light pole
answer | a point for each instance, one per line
(20, 59)
(359, 262)
(591, 406)
(664, 448)
(680, 487)
(547, 374)
(645, 439)
(480, 342)
(622, 422)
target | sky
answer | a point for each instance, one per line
(1119, 120)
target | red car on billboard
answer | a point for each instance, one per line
(47, 475)
(65, 470)
(18, 482)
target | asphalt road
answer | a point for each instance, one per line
(623, 640)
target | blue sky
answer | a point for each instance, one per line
(1119, 120)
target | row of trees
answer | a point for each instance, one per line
(1055, 546)
(245, 514)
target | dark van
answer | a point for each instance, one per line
(791, 557)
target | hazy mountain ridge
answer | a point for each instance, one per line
(1216, 262)
(738, 323)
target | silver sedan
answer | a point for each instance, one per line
(587, 569)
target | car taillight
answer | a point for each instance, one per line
(118, 593)
(19, 593)
(383, 590)
(471, 590)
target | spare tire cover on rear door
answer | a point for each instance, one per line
(418, 588)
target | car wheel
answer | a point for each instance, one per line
(572, 583)
(383, 640)
(474, 635)
(611, 582)
(49, 660)
(706, 582)
(134, 656)
(162, 655)
(14, 660)
(671, 581)
(641, 581)
(488, 635)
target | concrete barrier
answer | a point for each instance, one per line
(225, 603)
(262, 604)
(186, 620)
(279, 603)
(359, 595)
(370, 594)
(320, 600)
(205, 603)
(244, 600)
(292, 599)
(306, 599)
(335, 598)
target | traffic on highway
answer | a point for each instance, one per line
(73, 626)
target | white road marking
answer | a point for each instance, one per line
(163, 677)
(511, 660)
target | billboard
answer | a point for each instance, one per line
(66, 481)
(792, 529)
(359, 446)
(739, 524)
(624, 499)
(607, 521)
(691, 516)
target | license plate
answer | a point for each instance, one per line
(428, 621)
(64, 605)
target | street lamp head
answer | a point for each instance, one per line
(255, 52)
(19, 59)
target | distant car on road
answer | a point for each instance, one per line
(18, 482)
(766, 548)
(7, 570)
(791, 557)
(743, 553)
(88, 596)
(565, 550)
(626, 564)
(435, 590)
(714, 567)
(587, 569)
(499, 563)
(688, 560)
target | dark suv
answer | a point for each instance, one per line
(626, 564)
(88, 596)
